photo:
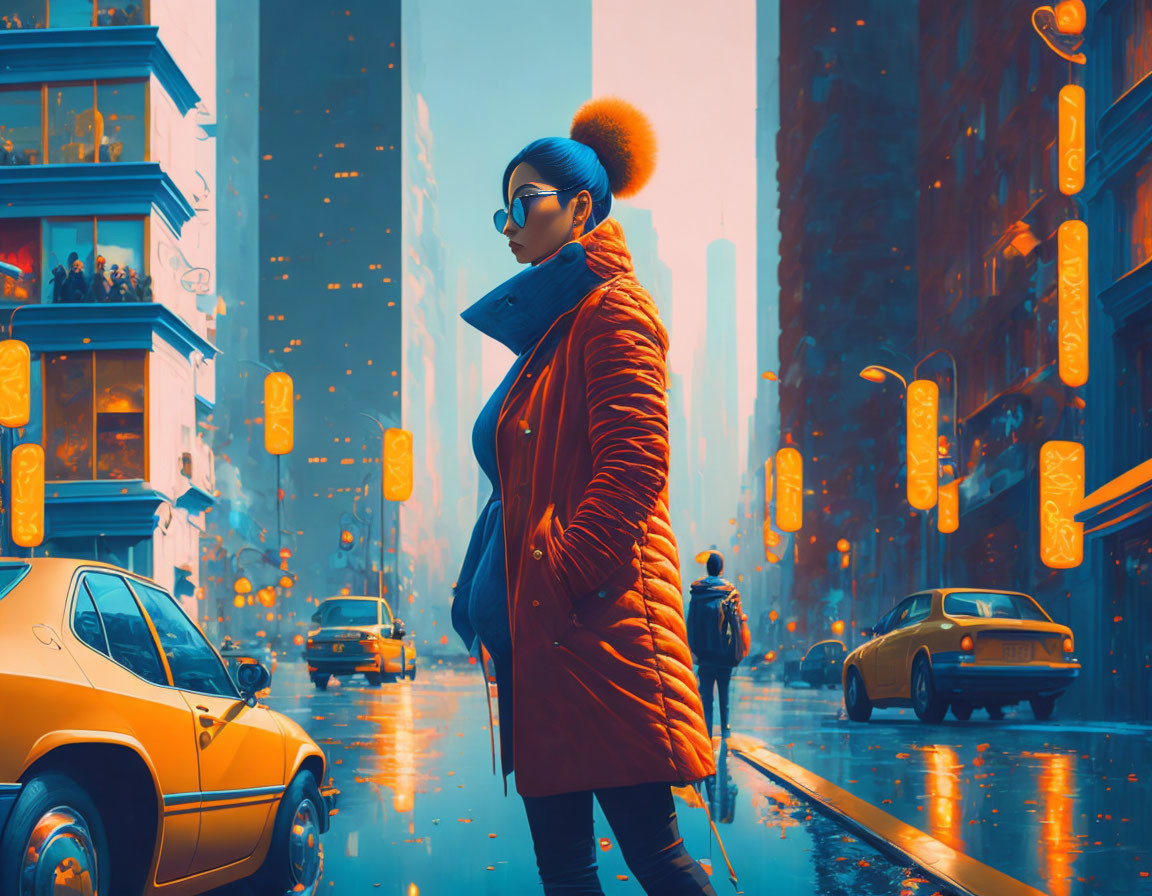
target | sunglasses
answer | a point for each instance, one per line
(522, 205)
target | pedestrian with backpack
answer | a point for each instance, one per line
(718, 636)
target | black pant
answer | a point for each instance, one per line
(720, 676)
(643, 818)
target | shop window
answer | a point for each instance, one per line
(130, 552)
(23, 14)
(121, 104)
(94, 415)
(20, 245)
(121, 243)
(69, 13)
(20, 125)
(68, 251)
(120, 13)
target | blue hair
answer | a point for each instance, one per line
(566, 163)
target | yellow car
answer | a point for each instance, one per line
(963, 647)
(358, 634)
(130, 761)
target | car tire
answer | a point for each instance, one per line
(962, 711)
(374, 679)
(295, 860)
(63, 818)
(1042, 707)
(856, 700)
(321, 682)
(926, 703)
(996, 713)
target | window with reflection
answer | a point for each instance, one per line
(70, 13)
(19, 125)
(119, 415)
(94, 260)
(20, 245)
(120, 13)
(122, 105)
(194, 665)
(94, 415)
(89, 121)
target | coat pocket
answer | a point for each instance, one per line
(553, 603)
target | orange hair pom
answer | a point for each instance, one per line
(623, 140)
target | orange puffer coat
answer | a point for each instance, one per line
(603, 689)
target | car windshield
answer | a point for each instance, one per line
(990, 605)
(348, 612)
(9, 576)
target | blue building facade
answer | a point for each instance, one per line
(107, 183)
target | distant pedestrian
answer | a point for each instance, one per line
(718, 636)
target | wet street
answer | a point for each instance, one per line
(422, 813)
(1064, 807)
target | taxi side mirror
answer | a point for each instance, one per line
(252, 678)
(397, 628)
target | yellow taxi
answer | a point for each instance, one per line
(131, 762)
(358, 634)
(961, 647)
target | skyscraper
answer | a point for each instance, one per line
(330, 267)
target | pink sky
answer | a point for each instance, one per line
(691, 68)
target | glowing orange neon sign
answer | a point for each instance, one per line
(278, 413)
(397, 464)
(1072, 291)
(923, 403)
(15, 387)
(948, 510)
(790, 496)
(1070, 139)
(28, 495)
(1061, 493)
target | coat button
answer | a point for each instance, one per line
(555, 643)
(535, 603)
(537, 554)
(601, 593)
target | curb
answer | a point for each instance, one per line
(897, 840)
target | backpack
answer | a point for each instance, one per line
(717, 629)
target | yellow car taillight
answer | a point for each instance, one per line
(310, 642)
(370, 644)
(1067, 645)
(966, 644)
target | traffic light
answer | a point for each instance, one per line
(347, 539)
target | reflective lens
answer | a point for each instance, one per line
(500, 218)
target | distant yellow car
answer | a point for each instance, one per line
(963, 647)
(130, 761)
(358, 634)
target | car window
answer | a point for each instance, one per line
(86, 621)
(921, 608)
(348, 612)
(130, 642)
(991, 605)
(899, 615)
(9, 576)
(194, 666)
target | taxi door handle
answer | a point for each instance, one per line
(206, 719)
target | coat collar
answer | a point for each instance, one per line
(518, 311)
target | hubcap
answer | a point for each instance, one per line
(305, 856)
(852, 690)
(921, 687)
(60, 856)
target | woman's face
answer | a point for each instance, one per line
(548, 225)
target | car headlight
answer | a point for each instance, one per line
(966, 644)
(1067, 645)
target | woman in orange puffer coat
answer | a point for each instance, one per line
(571, 579)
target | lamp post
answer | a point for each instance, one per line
(383, 463)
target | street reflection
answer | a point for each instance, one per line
(944, 808)
(1058, 843)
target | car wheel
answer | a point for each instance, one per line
(1042, 707)
(961, 710)
(54, 841)
(374, 679)
(321, 682)
(928, 706)
(996, 713)
(856, 698)
(295, 857)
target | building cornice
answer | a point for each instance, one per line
(102, 188)
(97, 326)
(34, 55)
(101, 507)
